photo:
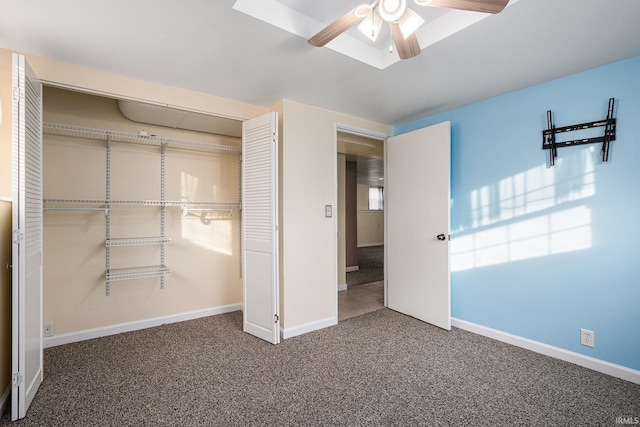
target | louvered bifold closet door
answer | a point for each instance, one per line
(259, 227)
(27, 235)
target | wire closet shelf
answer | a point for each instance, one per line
(107, 205)
(135, 138)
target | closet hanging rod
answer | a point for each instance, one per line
(186, 211)
(207, 210)
(105, 210)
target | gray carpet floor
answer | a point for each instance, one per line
(379, 369)
(371, 264)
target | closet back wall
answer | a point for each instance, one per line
(202, 256)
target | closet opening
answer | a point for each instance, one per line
(141, 218)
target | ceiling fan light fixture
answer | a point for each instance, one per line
(422, 2)
(392, 10)
(409, 23)
(371, 25)
(363, 10)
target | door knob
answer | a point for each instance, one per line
(441, 237)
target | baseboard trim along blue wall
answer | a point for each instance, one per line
(598, 365)
(541, 252)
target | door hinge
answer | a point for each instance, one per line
(18, 236)
(18, 94)
(277, 318)
(17, 379)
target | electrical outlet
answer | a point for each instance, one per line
(587, 338)
(48, 329)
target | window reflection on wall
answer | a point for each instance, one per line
(210, 229)
(531, 214)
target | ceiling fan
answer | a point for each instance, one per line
(403, 21)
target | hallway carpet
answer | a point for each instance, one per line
(371, 263)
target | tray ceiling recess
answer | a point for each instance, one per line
(306, 19)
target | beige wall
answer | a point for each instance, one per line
(307, 178)
(309, 172)
(203, 256)
(5, 124)
(91, 312)
(370, 223)
(88, 80)
(5, 296)
(5, 220)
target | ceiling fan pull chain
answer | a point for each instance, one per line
(373, 23)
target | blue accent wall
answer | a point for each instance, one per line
(541, 252)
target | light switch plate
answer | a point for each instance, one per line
(328, 211)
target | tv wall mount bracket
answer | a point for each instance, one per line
(549, 135)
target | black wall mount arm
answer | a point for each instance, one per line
(549, 135)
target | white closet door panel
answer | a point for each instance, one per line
(259, 227)
(27, 349)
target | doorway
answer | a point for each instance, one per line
(360, 224)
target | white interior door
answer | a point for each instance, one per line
(27, 238)
(417, 194)
(260, 227)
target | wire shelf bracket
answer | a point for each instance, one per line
(549, 135)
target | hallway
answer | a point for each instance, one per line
(361, 299)
(365, 291)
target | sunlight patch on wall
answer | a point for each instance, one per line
(495, 208)
(216, 235)
(211, 229)
(537, 189)
(564, 231)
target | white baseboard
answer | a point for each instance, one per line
(342, 287)
(369, 245)
(309, 327)
(598, 365)
(137, 325)
(352, 268)
(4, 399)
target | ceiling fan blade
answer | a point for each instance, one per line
(407, 48)
(336, 28)
(487, 6)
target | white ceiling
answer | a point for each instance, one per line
(207, 46)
